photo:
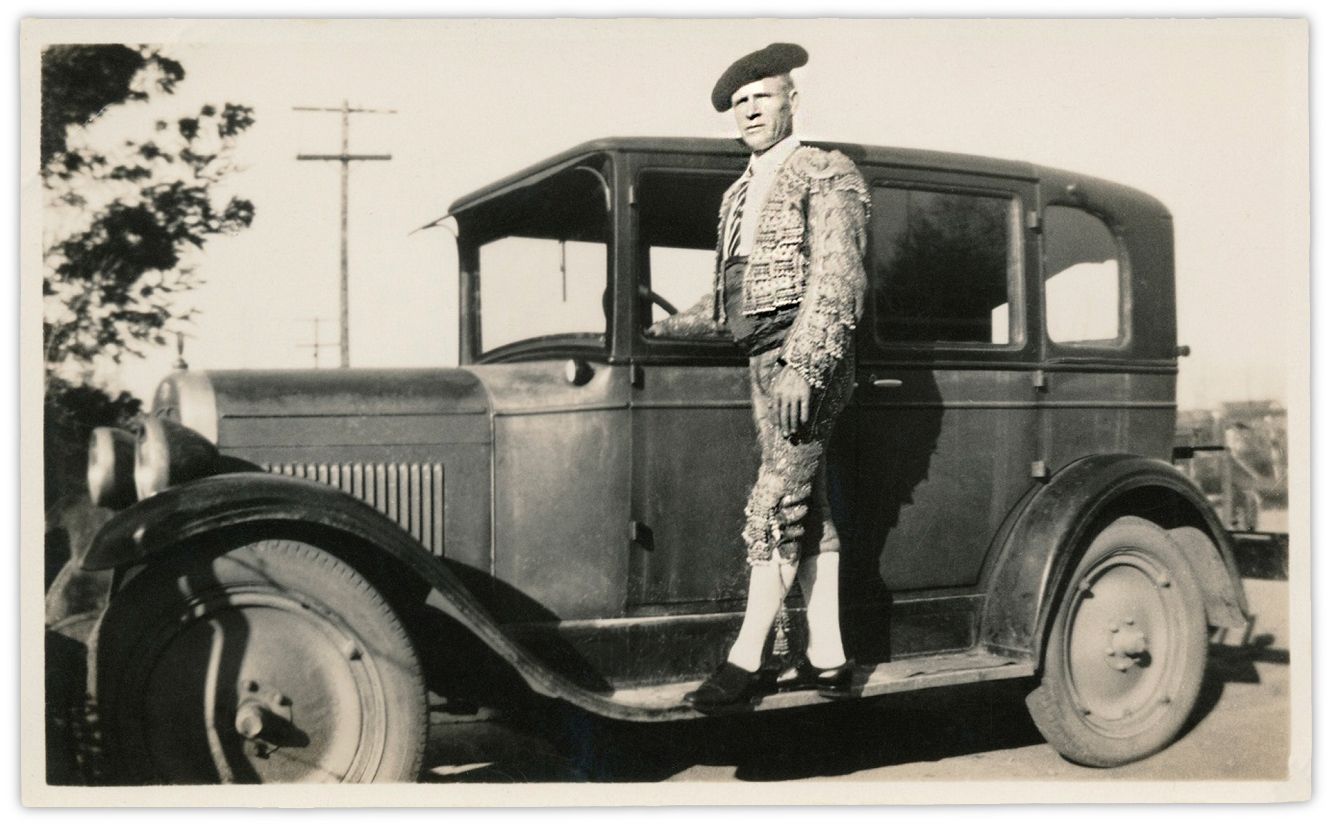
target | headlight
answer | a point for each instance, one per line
(187, 398)
(168, 454)
(111, 467)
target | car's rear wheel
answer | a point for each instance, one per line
(1126, 654)
(273, 661)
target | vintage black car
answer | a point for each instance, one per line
(306, 563)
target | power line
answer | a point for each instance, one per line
(315, 342)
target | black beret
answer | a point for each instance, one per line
(774, 59)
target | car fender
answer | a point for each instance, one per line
(1045, 541)
(157, 525)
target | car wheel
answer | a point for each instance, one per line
(1126, 653)
(274, 661)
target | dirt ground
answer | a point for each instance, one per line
(1238, 731)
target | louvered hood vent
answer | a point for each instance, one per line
(413, 495)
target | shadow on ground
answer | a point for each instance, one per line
(563, 744)
(1232, 665)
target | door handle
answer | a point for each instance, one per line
(885, 383)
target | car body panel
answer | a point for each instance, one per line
(694, 459)
(561, 503)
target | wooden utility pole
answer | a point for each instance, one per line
(344, 158)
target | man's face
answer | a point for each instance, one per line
(763, 111)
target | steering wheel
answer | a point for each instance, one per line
(657, 299)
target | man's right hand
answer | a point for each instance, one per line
(791, 401)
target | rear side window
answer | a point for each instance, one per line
(944, 267)
(1082, 278)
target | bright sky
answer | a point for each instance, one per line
(1209, 116)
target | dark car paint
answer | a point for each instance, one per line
(554, 492)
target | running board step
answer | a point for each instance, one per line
(664, 701)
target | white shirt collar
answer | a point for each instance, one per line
(768, 162)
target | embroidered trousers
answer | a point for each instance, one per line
(788, 513)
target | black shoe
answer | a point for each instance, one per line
(727, 686)
(835, 682)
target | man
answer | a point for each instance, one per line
(789, 286)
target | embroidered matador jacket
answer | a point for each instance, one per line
(809, 244)
(808, 249)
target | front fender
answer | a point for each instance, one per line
(157, 525)
(1049, 534)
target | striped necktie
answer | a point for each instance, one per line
(733, 236)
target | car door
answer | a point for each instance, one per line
(946, 429)
(693, 450)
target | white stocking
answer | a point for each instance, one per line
(819, 585)
(769, 584)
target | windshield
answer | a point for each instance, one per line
(542, 261)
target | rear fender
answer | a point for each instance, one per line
(1049, 535)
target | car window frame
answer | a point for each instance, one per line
(1025, 350)
(469, 243)
(1124, 344)
(675, 350)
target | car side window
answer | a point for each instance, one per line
(1081, 277)
(678, 229)
(944, 267)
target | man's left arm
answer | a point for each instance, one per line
(836, 286)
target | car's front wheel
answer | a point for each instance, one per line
(272, 661)
(1126, 653)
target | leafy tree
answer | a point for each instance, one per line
(120, 230)
(125, 221)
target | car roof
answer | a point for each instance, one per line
(859, 153)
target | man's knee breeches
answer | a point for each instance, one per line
(788, 513)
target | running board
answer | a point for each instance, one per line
(663, 702)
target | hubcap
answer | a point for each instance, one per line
(1124, 638)
(1127, 646)
(258, 686)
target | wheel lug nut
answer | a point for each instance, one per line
(1115, 628)
(1111, 651)
(251, 686)
(279, 700)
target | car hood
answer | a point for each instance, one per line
(245, 406)
(370, 407)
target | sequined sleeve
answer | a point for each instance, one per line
(696, 321)
(836, 225)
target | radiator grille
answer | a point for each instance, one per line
(413, 495)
